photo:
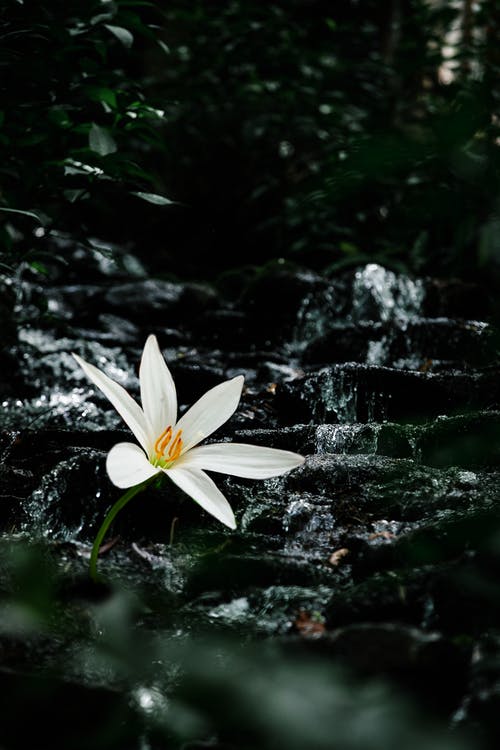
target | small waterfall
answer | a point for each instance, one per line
(373, 296)
(340, 394)
(347, 438)
(317, 314)
(380, 294)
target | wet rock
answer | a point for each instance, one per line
(272, 301)
(47, 363)
(417, 344)
(465, 594)
(301, 524)
(75, 303)
(342, 478)
(194, 378)
(11, 380)
(331, 492)
(113, 330)
(298, 438)
(321, 310)
(256, 359)
(412, 657)
(276, 370)
(456, 298)
(38, 451)
(198, 297)
(457, 597)
(468, 440)
(460, 344)
(398, 596)
(16, 484)
(446, 538)
(396, 441)
(67, 503)
(230, 573)
(155, 301)
(348, 342)
(387, 537)
(144, 300)
(271, 610)
(349, 393)
(223, 328)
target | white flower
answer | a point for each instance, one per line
(169, 446)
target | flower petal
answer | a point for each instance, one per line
(241, 460)
(210, 412)
(127, 465)
(202, 489)
(129, 411)
(158, 395)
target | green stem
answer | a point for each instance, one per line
(172, 529)
(116, 508)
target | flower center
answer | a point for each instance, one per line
(166, 457)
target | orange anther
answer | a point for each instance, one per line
(176, 447)
(163, 441)
(166, 440)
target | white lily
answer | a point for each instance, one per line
(169, 446)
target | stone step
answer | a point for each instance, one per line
(468, 440)
(430, 344)
(364, 393)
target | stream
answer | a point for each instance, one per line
(356, 606)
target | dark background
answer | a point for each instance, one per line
(321, 133)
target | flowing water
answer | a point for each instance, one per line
(351, 584)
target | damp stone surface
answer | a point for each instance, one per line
(357, 604)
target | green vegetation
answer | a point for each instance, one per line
(324, 134)
(78, 130)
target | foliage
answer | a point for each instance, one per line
(77, 125)
(325, 133)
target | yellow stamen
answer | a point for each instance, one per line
(166, 440)
(163, 441)
(176, 447)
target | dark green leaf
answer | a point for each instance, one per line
(163, 46)
(102, 94)
(35, 265)
(74, 195)
(124, 35)
(101, 141)
(157, 200)
(31, 214)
